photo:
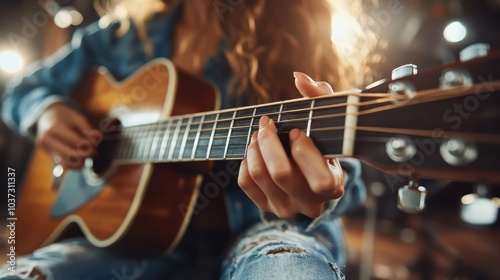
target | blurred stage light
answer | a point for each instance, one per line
(66, 17)
(455, 32)
(77, 17)
(63, 19)
(10, 61)
(478, 209)
(344, 31)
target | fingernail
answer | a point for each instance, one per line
(296, 75)
(263, 121)
(295, 134)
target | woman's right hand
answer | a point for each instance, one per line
(66, 134)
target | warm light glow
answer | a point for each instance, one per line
(478, 210)
(496, 201)
(344, 30)
(77, 17)
(68, 16)
(468, 199)
(63, 19)
(455, 32)
(10, 61)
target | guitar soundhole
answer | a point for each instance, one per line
(106, 150)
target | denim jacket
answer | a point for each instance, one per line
(52, 80)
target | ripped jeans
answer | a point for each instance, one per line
(265, 251)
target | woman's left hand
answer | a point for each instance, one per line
(286, 186)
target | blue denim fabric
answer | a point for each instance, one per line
(277, 251)
(77, 259)
(273, 250)
(27, 96)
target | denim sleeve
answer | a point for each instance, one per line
(51, 80)
(354, 194)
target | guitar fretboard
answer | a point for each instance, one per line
(225, 135)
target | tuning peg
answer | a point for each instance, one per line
(404, 71)
(411, 197)
(474, 51)
(457, 152)
(402, 91)
(400, 149)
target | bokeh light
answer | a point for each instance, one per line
(11, 61)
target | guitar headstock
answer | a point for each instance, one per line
(443, 123)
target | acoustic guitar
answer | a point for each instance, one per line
(443, 123)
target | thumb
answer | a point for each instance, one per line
(310, 88)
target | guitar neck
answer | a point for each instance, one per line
(225, 135)
(436, 124)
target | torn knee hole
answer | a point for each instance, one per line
(286, 250)
(247, 248)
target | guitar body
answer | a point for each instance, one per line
(137, 209)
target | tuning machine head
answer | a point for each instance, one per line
(402, 91)
(474, 51)
(462, 77)
(411, 197)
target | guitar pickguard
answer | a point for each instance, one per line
(74, 193)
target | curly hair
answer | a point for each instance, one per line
(269, 39)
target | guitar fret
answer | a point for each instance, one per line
(195, 145)
(308, 132)
(212, 136)
(129, 147)
(130, 150)
(164, 142)
(173, 143)
(151, 129)
(120, 148)
(250, 131)
(280, 111)
(229, 134)
(136, 144)
(154, 142)
(144, 143)
(184, 138)
(141, 145)
(126, 151)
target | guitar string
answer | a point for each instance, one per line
(133, 133)
(482, 137)
(473, 136)
(165, 124)
(426, 133)
(437, 94)
(479, 137)
(147, 134)
(301, 110)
